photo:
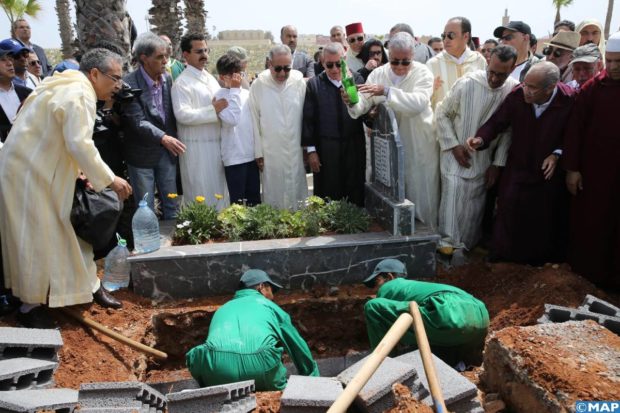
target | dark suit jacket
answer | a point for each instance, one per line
(5, 124)
(143, 126)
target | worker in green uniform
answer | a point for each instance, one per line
(247, 337)
(456, 323)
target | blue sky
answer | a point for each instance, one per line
(426, 17)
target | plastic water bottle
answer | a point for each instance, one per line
(117, 268)
(145, 227)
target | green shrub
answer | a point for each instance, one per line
(233, 222)
(346, 218)
(196, 223)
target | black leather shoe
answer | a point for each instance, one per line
(104, 299)
(8, 304)
(38, 317)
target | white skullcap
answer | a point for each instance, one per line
(613, 43)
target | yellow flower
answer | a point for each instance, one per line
(200, 199)
(172, 196)
(219, 196)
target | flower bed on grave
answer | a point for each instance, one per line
(199, 223)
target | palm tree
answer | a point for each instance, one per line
(104, 21)
(196, 16)
(610, 10)
(16, 9)
(65, 27)
(558, 5)
(165, 17)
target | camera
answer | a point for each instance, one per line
(125, 95)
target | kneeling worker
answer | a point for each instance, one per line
(456, 323)
(247, 337)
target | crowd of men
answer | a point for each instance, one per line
(487, 129)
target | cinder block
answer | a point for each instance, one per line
(472, 405)
(454, 387)
(596, 305)
(231, 397)
(309, 394)
(174, 386)
(29, 342)
(25, 373)
(31, 401)
(353, 357)
(120, 394)
(376, 396)
(559, 314)
(328, 367)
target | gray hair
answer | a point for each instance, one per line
(339, 28)
(239, 52)
(505, 53)
(402, 27)
(402, 41)
(146, 44)
(333, 48)
(99, 58)
(279, 49)
(549, 70)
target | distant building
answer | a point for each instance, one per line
(241, 35)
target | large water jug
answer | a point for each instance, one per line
(117, 268)
(145, 227)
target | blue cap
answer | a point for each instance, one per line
(66, 65)
(388, 265)
(12, 46)
(250, 278)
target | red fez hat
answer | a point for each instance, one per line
(354, 28)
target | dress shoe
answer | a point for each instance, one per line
(8, 304)
(38, 317)
(104, 299)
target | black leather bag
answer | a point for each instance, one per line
(94, 215)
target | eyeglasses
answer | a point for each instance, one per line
(506, 38)
(330, 65)
(498, 75)
(355, 39)
(403, 62)
(202, 51)
(35, 63)
(449, 35)
(548, 51)
(278, 69)
(116, 79)
(375, 53)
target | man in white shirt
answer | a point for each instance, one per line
(517, 34)
(276, 102)
(11, 95)
(196, 112)
(20, 54)
(242, 175)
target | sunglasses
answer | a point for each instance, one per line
(330, 65)
(506, 38)
(403, 62)
(278, 69)
(449, 35)
(548, 51)
(355, 39)
(35, 63)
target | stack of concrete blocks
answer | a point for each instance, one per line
(120, 397)
(331, 366)
(377, 396)
(28, 359)
(459, 394)
(592, 308)
(305, 394)
(225, 398)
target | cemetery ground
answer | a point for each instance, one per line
(330, 319)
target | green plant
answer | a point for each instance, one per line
(233, 222)
(263, 222)
(196, 223)
(346, 218)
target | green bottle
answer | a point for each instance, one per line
(348, 83)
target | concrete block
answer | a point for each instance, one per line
(117, 410)
(31, 401)
(231, 397)
(376, 396)
(596, 305)
(25, 373)
(559, 314)
(29, 342)
(454, 386)
(174, 386)
(353, 357)
(328, 367)
(120, 394)
(309, 394)
(472, 405)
